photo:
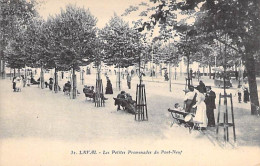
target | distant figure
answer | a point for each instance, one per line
(14, 84)
(50, 83)
(201, 87)
(166, 78)
(191, 72)
(24, 80)
(210, 105)
(239, 93)
(246, 92)
(67, 87)
(132, 72)
(109, 88)
(236, 75)
(19, 84)
(128, 78)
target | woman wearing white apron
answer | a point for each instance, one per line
(201, 114)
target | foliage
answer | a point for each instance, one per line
(122, 44)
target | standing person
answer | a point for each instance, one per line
(246, 92)
(191, 73)
(24, 80)
(128, 79)
(210, 106)
(201, 115)
(18, 84)
(14, 83)
(109, 88)
(239, 93)
(50, 83)
(198, 73)
(166, 78)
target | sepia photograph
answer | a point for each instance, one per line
(129, 82)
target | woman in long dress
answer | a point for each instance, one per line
(109, 88)
(201, 114)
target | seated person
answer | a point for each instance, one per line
(178, 107)
(50, 83)
(121, 95)
(46, 84)
(88, 91)
(129, 104)
(34, 82)
(129, 98)
(67, 87)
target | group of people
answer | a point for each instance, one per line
(126, 101)
(200, 101)
(243, 89)
(17, 84)
(89, 92)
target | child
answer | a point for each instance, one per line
(178, 107)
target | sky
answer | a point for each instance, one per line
(102, 9)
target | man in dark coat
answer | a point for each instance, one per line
(210, 105)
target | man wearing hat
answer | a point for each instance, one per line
(210, 105)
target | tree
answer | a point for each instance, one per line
(14, 18)
(234, 23)
(122, 43)
(72, 33)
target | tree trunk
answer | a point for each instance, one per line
(170, 77)
(55, 80)
(1, 66)
(3, 69)
(119, 78)
(250, 66)
(19, 73)
(209, 71)
(10, 73)
(42, 78)
(14, 72)
(74, 87)
(188, 66)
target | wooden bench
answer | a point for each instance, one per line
(179, 119)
